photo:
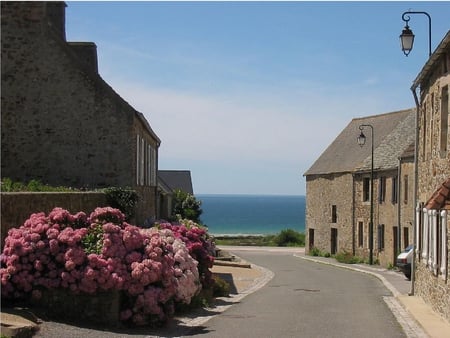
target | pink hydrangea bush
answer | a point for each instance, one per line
(153, 267)
(200, 246)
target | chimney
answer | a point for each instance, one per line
(87, 54)
(56, 16)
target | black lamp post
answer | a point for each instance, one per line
(407, 36)
(361, 141)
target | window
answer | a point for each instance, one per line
(382, 189)
(142, 163)
(145, 162)
(434, 253)
(366, 189)
(380, 237)
(360, 234)
(405, 189)
(394, 189)
(443, 244)
(138, 159)
(153, 161)
(419, 230)
(444, 120)
(333, 214)
(405, 237)
(432, 126)
(424, 134)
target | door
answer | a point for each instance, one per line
(395, 243)
(334, 237)
(311, 238)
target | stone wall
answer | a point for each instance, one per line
(433, 289)
(433, 170)
(322, 192)
(345, 192)
(61, 304)
(17, 207)
(61, 123)
(385, 212)
(434, 160)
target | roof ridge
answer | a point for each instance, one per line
(383, 114)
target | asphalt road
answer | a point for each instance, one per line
(306, 299)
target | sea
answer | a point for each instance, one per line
(233, 215)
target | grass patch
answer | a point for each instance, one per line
(8, 185)
(251, 240)
(287, 237)
(348, 258)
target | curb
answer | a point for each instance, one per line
(266, 276)
(15, 324)
(233, 264)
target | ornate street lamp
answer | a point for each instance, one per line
(407, 40)
(362, 141)
(407, 36)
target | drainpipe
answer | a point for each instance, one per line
(399, 208)
(353, 216)
(416, 185)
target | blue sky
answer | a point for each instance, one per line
(247, 95)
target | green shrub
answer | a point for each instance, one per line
(315, 252)
(289, 237)
(347, 258)
(124, 199)
(221, 288)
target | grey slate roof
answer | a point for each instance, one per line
(425, 72)
(393, 134)
(176, 179)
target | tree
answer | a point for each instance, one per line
(186, 206)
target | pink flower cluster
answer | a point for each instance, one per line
(200, 245)
(153, 267)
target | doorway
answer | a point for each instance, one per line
(311, 238)
(334, 236)
(395, 243)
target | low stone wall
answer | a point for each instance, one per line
(433, 290)
(16, 207)
(62, 304)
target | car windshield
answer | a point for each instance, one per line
(408, 248)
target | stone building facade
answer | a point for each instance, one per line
(61, 122)
(168, 182)
(431, 278)
(329, 212)
(338, 190)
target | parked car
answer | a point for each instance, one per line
(404, 260)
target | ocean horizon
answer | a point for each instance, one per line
(241, 215)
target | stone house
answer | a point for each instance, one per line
(432, 238)
(338, 189)
(61, 122)
(168, 182)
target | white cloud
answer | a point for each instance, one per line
(239, 141)
(215, 127)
